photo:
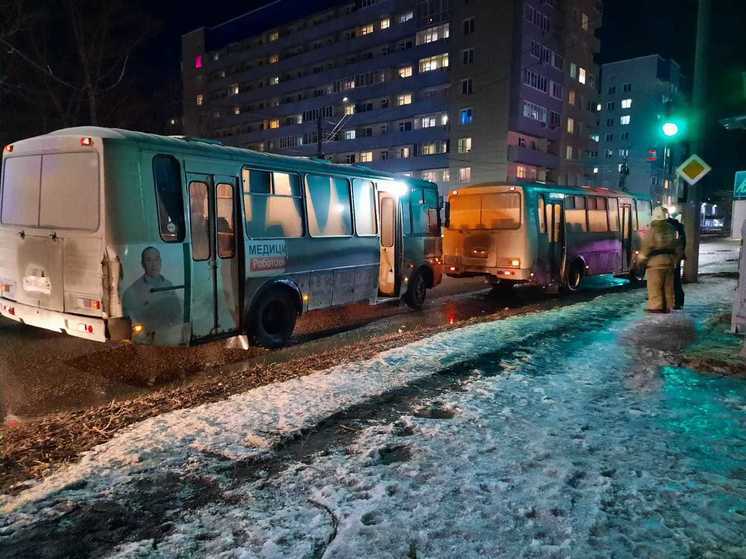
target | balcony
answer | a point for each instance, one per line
(534, 157)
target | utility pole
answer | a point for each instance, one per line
(691, 209)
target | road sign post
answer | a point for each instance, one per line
(692, 171)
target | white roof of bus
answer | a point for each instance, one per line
(206, 147)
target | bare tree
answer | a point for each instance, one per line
(67, 59)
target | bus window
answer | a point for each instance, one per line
(597, 215)
(432, 205)
(169, 199)
(21, 184)
(328, 203)
(466, 212)
(273, 206)
(365, 207)
(501, 211)
(613, 214)
(285, 184)
(425, 212)
(542, 216)
(643, 214)
(575, 219)
(225, 225)
(198, 209)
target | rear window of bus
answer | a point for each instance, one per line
(57, 191)
(486, 211)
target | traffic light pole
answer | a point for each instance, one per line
(691, 209)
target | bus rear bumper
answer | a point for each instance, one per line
(511, 274)
(87, 327)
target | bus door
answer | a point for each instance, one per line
(388, 270)
(555, 213)
(215, 296)
(626, 236)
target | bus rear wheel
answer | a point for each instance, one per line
(417, 291)
(272, 319)
(573, 278)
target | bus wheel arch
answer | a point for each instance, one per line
(273, 312)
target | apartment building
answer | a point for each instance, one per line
(637, 95)
(455, 91)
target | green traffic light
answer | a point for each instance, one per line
(670, 129)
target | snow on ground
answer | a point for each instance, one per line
(556, 434)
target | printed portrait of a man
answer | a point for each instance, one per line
(149, 301)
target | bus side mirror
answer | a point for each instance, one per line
(448, 214)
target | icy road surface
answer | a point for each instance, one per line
(556, 434)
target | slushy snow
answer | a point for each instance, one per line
(565, 434)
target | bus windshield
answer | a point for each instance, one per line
(59, 190)
(486, 211)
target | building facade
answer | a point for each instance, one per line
(637, 95)
(454, 91)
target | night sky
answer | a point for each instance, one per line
(630, 28)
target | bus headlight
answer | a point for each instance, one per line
(137, 329)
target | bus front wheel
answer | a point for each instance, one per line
(417, 291)
(272, 320)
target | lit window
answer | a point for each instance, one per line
(428, 122)
(626, 103)
(236, 110)
(366, 156)
(464, 145)
(464, 174)
(200, 100)
(404, 99)
(466, 116)
(405, 72)
(235, 89)
(429, 149)
(198, 61)
(595, 137)
(385, 23)
(349, 110)
(444, 119)
(581, 75)
(595, 170)
(274, 59)
(432, 34)
(405, 153)
(568, 154)
(573, 69)
(405, 17)
(274, 36)
(434, 63)
(274, 80)
(625, 119)
(349, 134)
(274, 123)
(520, 172)
(571, 97)
(366, 29)
(570, 125)
(584, 22)
(599, 108)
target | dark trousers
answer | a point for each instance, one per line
(677, 287)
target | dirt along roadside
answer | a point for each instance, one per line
(35, 449)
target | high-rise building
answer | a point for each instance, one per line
(637, 96)
(455, 91)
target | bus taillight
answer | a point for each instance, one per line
(86, 141)
(9, 148)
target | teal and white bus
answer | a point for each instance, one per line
(110, 234)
